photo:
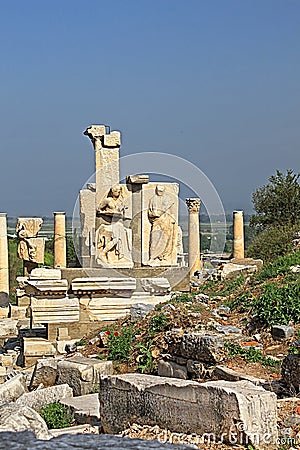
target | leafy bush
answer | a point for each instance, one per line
(182, 298)
(278, 304)
(119, 344)
(272, 243)
(56, 416)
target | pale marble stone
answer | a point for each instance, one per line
(4, 270)
(159, 224)
(193, 205)
(54, 310)
(113, 237)
(137, 179)
(45, 274)
(17, 312)
(38, 347)
(30, 247)
(104, 285)
(238, 234)
(60, 248)
(158, 286)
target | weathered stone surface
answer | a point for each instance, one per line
(45, 373)
(158, 286)
(140, 310)
(218, 407)
(4, 310)
(17, 312)
(37, 399)
(196, 346)
(42, 273)
(232, 270)
(282, 331)
(77, 429)
(48, 286)
(82, 374)
(105, 285)
(54, 310)
(171, 369)
(27, 440)
(228, 329)
(290, 371)
(12, 389)
(8, 328)
(19, 418)
(193, 205)
(159, 213)
(84, 409)
(38, 347)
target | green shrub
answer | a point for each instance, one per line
(56, 416)
(182, 298)
(157, 323)
(145, 358)
(119, 344)
(273, 242)
(278, 304)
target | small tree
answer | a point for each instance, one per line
(278, 202)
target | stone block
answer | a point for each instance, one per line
(84, 429)
(61, 346)
(44, 287)
(45, 373)
(14, 417)
(140, 310)
(108, 286)
(113, 139)
(84, 409)
(12, 389)
(41, 397)
(171, 369)
(282, 331)
(82, 374)
(219, 409)
(23, 300)
(38, 347)
(4, 311)
(41, 273)
(54, 310)
(157, 286)
(8, 328)
(290, 371)
(197, 346)
(17, 312)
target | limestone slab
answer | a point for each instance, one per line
(41, 397)
(42, 273)
(12, 389)
(82, 374)
(54, 310)
(220, 409)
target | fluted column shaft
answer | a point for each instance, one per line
(238, 235)
(193, 205)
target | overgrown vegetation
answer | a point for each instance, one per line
(56, 415)
(250, 355)
(119, 344)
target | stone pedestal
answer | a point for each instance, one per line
(4, 271)
(238, 235)
(60, 250)
(107, 149)
(193, 205)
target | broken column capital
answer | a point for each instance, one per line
(193, 205)
(100, 138)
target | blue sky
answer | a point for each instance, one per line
(213, 81)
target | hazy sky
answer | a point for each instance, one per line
(214, 81)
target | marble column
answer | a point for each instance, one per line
(60, 248)
(135, 184)
(238, 235)
(193, 205)
(4, 269)
(107, 154)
